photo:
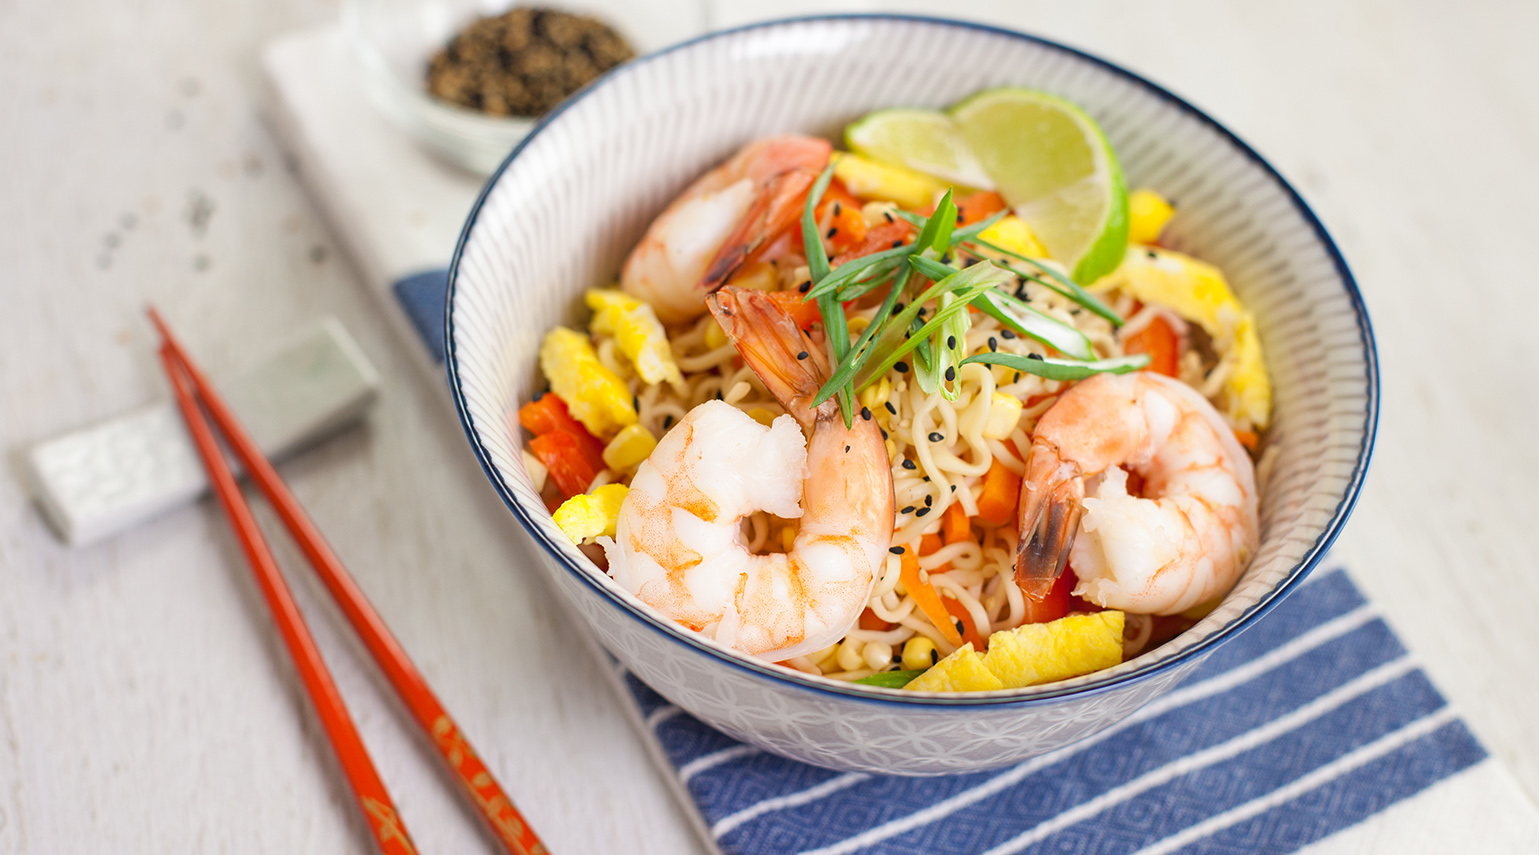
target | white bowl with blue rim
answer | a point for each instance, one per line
(572, 199)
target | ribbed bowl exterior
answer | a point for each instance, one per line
(568, 204)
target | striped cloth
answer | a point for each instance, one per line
(1311, 720)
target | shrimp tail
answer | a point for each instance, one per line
(791, 366)
(1048, 516)
(774, 210)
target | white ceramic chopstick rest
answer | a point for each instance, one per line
(100, 480)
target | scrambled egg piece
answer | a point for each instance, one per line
(1148, 213)
(594, 395)
(638, 332)
(1198, 292)
(1036, 653)
(963, 671)
(588, 516)
(868, 179)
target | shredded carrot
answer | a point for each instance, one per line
(979, 206)
(869, 620)
(997, 501)
(930, 543)
(926, 598)
(1247, 438)
(959, 613)
(954, 524)
(803, 314)
(1160, 341)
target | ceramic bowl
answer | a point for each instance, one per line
(569, 202)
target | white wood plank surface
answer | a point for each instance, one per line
(145, 705)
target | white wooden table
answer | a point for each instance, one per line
(145, 704)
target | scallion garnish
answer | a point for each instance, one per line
(933, 324)
(1062, 369)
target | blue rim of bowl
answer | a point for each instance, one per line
(796, 680)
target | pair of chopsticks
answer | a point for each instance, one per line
(379, 811)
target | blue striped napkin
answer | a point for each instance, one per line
(1313, 719)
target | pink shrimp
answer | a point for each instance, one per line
(1185, 544)
(706, 234)
(678, 545)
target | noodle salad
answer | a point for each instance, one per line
(849, 414)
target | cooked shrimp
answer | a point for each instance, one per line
(703, 236)
(677, 544)
(1185, 543)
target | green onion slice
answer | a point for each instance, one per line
(1062, 369)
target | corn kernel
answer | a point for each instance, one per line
(1004, 412)
(788, 539)
(1012, 233)
(849, 656)
(877, 654)
(1148, 213)
(877, 394)
(919, 653)
(857, 325)
(715, 337)
(583, 518)
(757, 276)
(629, 448)
(762, 415)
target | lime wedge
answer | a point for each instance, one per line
(923, 140)
(1056, 169)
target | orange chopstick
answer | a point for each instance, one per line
(375, 803)
(505, 822)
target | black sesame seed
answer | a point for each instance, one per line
(836, 209)
(538, 396)
(925, 478)
(1151, 253)
(891, 408)
(898, 307)
(951, 341)
(922, 512)
(937, 436)
(847, 449)
(954, 488)
(884, 434)
(802, 354)
(866, 414)
(951, 374)
(833, 230)
(1016, 378)
(636, 403)
(1036, 356)
(946, 259)
(887, 216)
(668, 422)
(807, 285)
(934, 656)
(719, 394)
(896, 550)
(909, 464)
(1007, 334)
(959, 216)
(927, 500)
(901, 367)
(959, 623)
(993, 345)
(1074, 311)
(897, 244)
(907, 509)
